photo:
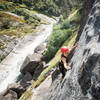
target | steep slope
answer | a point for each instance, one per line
(56, 7)
(16, 21)
(10, 67)
(85, 11)
(83, 81)
(51, 7)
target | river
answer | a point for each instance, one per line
(10, 66)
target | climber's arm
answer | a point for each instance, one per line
(74, 47)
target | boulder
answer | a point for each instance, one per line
(38, 71)
(13, 91)
(26, 80)
(40, 49)
(55, 74)
(16, 87)
(2, 97)
(11, 95)
(30, 64)
(14, 23)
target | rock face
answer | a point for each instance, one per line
(30, 64)
(40, 49)
(7, 43)
(38, 71)
(25, 81)
(8, 38)
(85, 11)
(14, 91)
(83, 81)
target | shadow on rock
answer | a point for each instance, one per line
(89, 79)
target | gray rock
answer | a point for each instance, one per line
(14, 23)
(30, 64)
(2, 97)
(11, 95)
(16, 87)
(45, 65)
(40, 49)
(87, 6)
(7, 44)
(25, 81)
(38, 71)
(55, 74)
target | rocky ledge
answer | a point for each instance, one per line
(31, 68)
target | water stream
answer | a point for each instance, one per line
(10, 66)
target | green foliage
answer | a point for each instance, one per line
(65, 24)
(27, 16)
(61, 33)
(61, 18)
(37, 18)
(20, 12)
(48, 8)
(6, 24)
(76, 19)
(4, 6)
(31, 20)
(2, 57)
(56, 40)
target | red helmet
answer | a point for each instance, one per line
(64, 49)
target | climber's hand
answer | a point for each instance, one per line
(76, 44)
(68, 68)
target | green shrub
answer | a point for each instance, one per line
(37, 18)
(61, 33)
(65, 24)
(27, 16)
(2, 57)
(57, 38)
(31, 20)
(4, 6)
(6, 24)
(27, 3)
(20, 12)
(76, 18)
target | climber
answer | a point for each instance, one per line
(65, 58)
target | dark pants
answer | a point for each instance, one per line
(62, 69)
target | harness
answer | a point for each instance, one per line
(61, 64)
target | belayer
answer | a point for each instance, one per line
(66, 56)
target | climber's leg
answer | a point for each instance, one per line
(62, 70)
